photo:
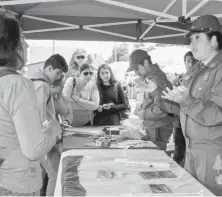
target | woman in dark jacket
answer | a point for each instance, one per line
(200, 99)
(112, 99)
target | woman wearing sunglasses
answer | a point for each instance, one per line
(84, 94)
(112, 98)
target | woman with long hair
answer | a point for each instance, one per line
(112, 98)
(84, 94)
(22, 141)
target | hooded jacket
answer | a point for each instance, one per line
(45, 99)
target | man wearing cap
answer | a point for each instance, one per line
(79, 57)
(200, 98)
(158, 114)
(140, 62)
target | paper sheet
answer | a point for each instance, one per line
(101, 176)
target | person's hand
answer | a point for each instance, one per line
(146, 85)
(177, 94)
(75, 98)
(65, 122)
(100, 108)
(106, 106)
(149, 85)
(55, 126)
(45, 125)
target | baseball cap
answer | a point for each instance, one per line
(206, 23)
(80, 51)
(136, 58)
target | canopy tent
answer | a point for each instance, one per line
(110, 20)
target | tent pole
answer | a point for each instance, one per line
(17, 2)
(165, 36)
(48, 30)
(159, 17)
(171, 28)
(115, 52)
(184, 7)
(110, 33)
(196, 8)
(112, 24)
(49, 20)
(136, 8)
(53, 47)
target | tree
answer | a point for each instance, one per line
(119, 53)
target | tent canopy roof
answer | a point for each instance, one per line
(110, 20)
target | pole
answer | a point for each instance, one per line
(53, 47)
(115, 52)
(131, 77)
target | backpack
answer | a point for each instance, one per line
(13, 143)
(123, 115)
(43, 80)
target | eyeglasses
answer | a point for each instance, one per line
(88, 73)
(80, 57)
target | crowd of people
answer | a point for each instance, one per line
(32, 108)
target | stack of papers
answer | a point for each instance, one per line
(134, 143)
(91, 131)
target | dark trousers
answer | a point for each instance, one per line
(180, 146)
(44, 182)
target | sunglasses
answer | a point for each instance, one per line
(80, 57)
(88, 73)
